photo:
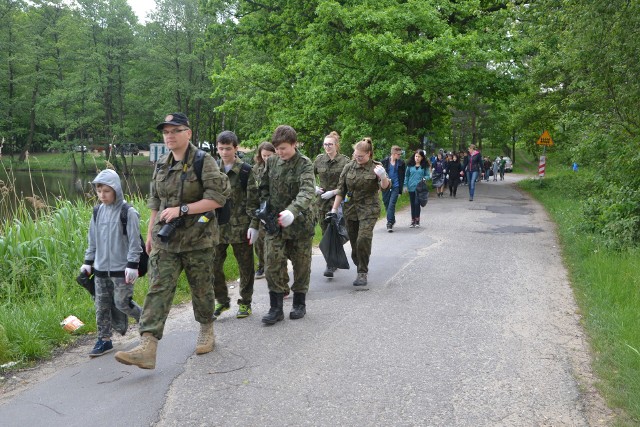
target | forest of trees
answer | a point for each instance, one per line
(442, 73)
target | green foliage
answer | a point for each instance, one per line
(606, 283)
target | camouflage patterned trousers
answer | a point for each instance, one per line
(164, 269)
(113, 292)
(244, 257)
(278, 251)
(259, 246)
(361, 236)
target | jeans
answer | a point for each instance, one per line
(415, 204)
(389, 198)
(471, 177)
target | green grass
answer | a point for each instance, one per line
(606, 284)
(40, 258)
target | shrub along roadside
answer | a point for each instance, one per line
(606, 283)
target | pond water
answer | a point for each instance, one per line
(48, 186)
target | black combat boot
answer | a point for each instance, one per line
(298, 309)
(275, 313)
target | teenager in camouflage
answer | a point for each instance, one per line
(240, 232)
(327, 168)
(358, 186)
(263, 152)
(179, 238)
(288, 187)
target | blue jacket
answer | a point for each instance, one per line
(414, 175)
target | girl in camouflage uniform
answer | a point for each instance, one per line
(327, 168)
(358, 186)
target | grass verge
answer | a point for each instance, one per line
(606, 284)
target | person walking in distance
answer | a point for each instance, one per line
(438, 170)
(264, 151)
(112, 257)
(454, 169)
(417, 170)
(180, 237)
(241, 232)
(327, 168)
(287, 190)
(395, 169)
(471, 167)
(359, 184)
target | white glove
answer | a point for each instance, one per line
(130, 275)
(86, 269)
(252, 235)
(319, 190)
(285, 218)
(379, 171)
(328, 194)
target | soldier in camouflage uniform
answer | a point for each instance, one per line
(178, 200)
(241, 231)
(264, 151)
(359, 184)
(327, 168)
(288, 187)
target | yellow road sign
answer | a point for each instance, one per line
(545, 139)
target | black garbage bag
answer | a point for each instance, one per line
(332, 243)
(422, 190)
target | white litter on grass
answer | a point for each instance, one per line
(8, 365)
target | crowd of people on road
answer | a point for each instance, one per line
(201, 206)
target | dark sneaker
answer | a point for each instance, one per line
(260, 273)
(219, 309)
(417, 224)
(390, 227)
(413, 223)
(361, 280)
(328, 272)
(244, 310)
(101, 347)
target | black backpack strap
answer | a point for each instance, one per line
(198, 162)
(95, 213)
(124, 217)
(244, 175)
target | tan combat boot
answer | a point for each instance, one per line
(143, 356)
(206, 339)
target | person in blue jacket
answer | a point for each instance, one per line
(417, 170)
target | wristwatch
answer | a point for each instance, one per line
(184, 209)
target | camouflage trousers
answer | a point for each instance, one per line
(244, 257)
(164, 270)
(278, 251)
(259, 246)
(114, 302)
(361, 236)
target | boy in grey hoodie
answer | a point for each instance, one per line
(113, 258)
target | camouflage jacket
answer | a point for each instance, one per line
(290, 185)
(359, 186)
(328, 173)
(245, 203)
(258, 171)
(196, 233)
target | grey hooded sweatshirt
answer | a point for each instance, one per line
(110, 251)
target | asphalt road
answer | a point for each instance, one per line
(467, 321)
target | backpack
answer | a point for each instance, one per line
(143, 265)
(222, 213)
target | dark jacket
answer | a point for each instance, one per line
(453, 169)
(473, 162)
(402, 169)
